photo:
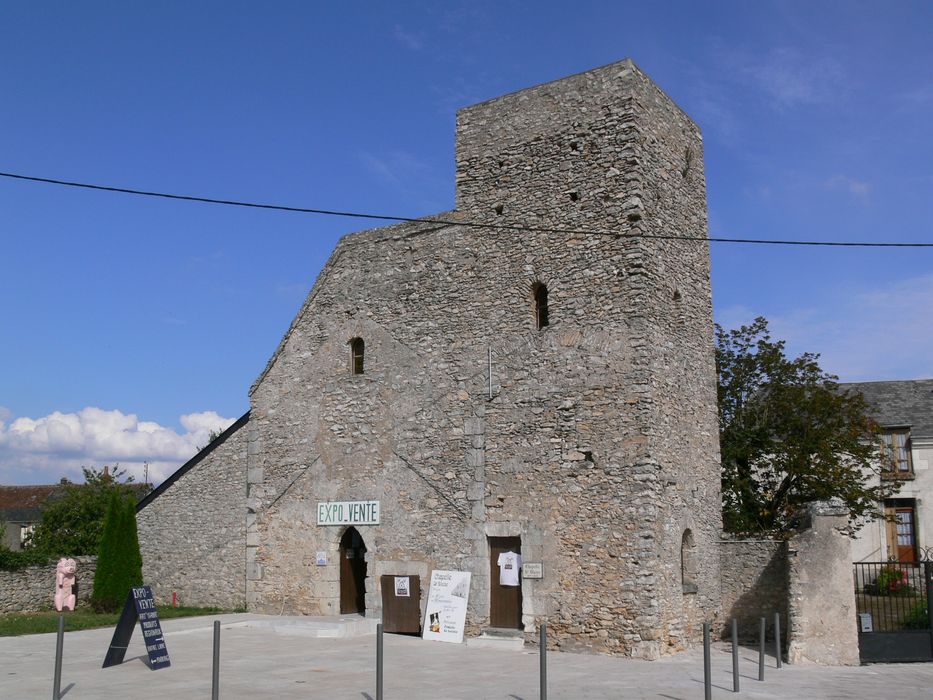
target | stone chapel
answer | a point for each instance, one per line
(532, 372)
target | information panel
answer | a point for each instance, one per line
(140, 605)
(532, 569)
(348, 513)
(445, 615)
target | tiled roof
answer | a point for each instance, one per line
(26, 496)
(25, 502)
(904, 403)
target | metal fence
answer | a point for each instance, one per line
(891, 596)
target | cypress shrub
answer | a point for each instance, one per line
(119, 563)
(131, 538)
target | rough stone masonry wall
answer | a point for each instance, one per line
(33, 588)
(754, 585)
(609, 151)
(822, 625)
(683, 432)
(597, 444)
(807, 579)
(192, 533)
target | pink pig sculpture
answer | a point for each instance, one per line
(64, 581)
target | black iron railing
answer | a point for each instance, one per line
(893, 596)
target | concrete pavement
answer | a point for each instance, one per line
(272, 657)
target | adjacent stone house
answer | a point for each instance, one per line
(904, 410)
(21, 510)
(531, 372)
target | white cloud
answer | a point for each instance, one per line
(408, 39)
(782, 78)
(789, 78)
(396, 167)
(404, 174)
(857, 188)
(872, 334)
(59, 444)
(919, 96)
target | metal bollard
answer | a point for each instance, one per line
(379, 654)
(735, 655)
(761, 651)
(542, 654)
(707, 673)
(59, 646)
(215, 674)
(777, 638)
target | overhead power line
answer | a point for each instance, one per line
(470, 224)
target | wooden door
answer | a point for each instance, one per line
(505, 602)
(352, 573)
(902, 531)
(401, 604)
(906, 534)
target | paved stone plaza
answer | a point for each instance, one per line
(272, 657)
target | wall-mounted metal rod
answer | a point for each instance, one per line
(489, 367)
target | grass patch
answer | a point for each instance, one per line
(14, 624)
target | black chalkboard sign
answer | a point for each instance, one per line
(140, 605)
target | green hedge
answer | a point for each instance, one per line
(11, 560)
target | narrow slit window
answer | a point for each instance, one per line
(688, 563)
(357, 350)
(541, 311)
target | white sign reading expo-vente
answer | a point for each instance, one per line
(348, 513)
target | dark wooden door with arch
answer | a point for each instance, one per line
(352, 573)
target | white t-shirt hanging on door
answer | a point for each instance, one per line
(509, 564)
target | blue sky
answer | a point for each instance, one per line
(132, 326)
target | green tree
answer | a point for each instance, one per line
(72, 523)
(789, 435)
(119, 563)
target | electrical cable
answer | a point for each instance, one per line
(448, 222)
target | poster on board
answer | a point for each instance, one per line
(139, 607)
(445, 615)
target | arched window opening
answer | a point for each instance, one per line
(539, 291)
(357, 350)
(688, 563)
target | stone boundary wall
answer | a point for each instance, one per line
(33, 588)
(823, 627)
(807, 579)
(755, 584)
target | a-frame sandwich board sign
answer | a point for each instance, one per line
(140, 605)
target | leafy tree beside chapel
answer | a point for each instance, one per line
(789, 435)
(72, 524)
